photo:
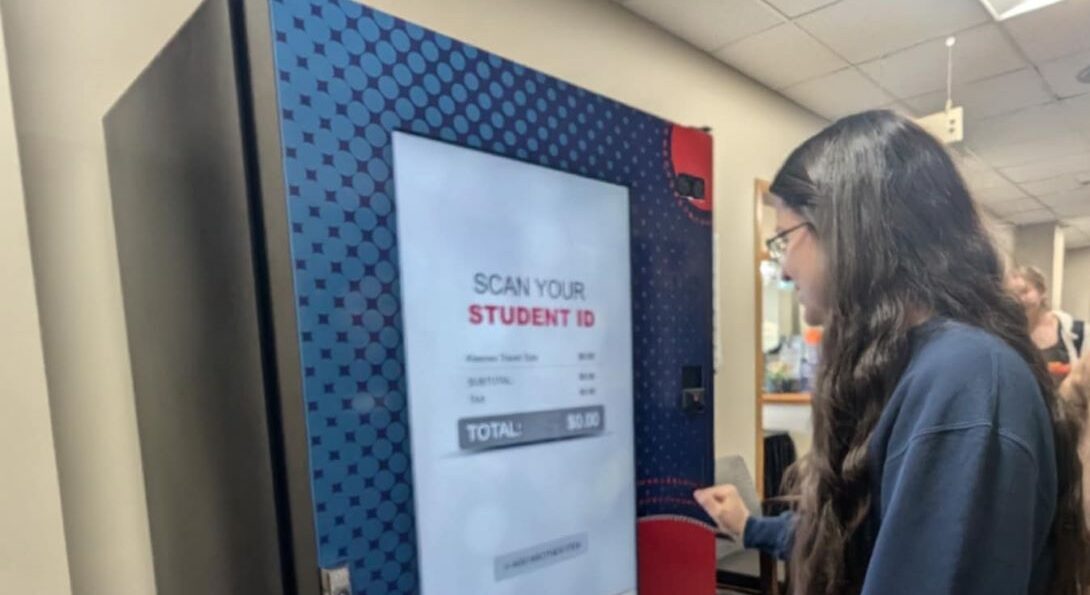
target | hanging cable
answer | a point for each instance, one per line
(950, 41)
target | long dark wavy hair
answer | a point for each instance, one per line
(902, 238)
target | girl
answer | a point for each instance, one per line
(941, 461)
(1057, 334)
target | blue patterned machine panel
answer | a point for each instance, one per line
(348, 76)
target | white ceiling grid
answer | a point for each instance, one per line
(1026, 153)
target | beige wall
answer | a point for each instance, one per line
(1003, 235)
(1042, 246)
(606, 49)
(1077, 283)
(1059, 255)
(32, 553)
(70, 60)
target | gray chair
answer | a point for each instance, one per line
(737, 569)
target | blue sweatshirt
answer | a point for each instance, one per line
(963, 473)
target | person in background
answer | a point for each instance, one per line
(1075, 392)
(1057, 334)
(1061, 340)
(942, 461)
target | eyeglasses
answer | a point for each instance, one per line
(777, 244)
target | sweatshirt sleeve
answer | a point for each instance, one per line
(772, 535)
(959, 509)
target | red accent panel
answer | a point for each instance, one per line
(676, 558)
(691, 153)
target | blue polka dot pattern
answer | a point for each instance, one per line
(347, 76)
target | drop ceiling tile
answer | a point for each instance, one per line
(1060, 73)
(1012, 207)
(1000, 193)
(861, 30)
(1073, 209)
(1035, 151)
(981, 52)
(794, 8)
(1064, 183)
(982, 180)
(838, 94)
(1077, 110)
(967, 159)
(989, 97)
(1079, 196)
(781, 56)
(996, 220)
(708, 24)
(1082, 223)
(1053, 31)
(1047, 169)
(901, 108)
(1031, 217)
(1023, 126)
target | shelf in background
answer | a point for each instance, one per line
(785, 398)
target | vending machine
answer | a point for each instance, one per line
(408, 317)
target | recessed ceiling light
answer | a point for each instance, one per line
(1005, 9)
